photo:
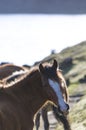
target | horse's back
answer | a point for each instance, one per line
(8, 69)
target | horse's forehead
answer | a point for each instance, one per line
(50, 71)
(48, 68)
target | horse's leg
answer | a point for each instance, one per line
(45, 118)
(37, 120)
(63, 119)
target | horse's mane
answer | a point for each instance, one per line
(10, 65)
(60, 75)
(27, 75)
(3, 65)
(19, 77)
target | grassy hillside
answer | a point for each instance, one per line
(72, 61)
(75, 71)
(77, 54)
(77, 115)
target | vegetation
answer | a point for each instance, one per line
(76, 74)
(77, 53)
(78, 115)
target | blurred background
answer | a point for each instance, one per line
(31, 29)
(42, 30)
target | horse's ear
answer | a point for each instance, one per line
(55, 64)
(41, 68)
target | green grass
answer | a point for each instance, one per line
(74, 72)
(78, 54)
(72, 88)
(78, 115)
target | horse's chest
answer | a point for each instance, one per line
(14, 118)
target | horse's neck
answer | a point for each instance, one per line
(37, 104)
(30, 94)
(37, 96)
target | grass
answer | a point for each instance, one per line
(72, 88)
(78, 71)
(78, 115)
(78, 54)
(74, 72)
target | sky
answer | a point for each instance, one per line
(25, 39)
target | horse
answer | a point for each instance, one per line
(57, 114)
(8, 69)
(21, 101)
(14, 77)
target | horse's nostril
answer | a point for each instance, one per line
(67, 107)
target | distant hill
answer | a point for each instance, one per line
(72, 61)
(43, 6)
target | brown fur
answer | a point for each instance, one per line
(63, 86)
(8, 69)
(6, 72)
(20, 102)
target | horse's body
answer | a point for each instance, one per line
(8, 69)
(20, 102)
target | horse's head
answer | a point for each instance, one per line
(55, 86)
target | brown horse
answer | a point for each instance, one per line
(20, 102)
(6, 70)
(58, 115)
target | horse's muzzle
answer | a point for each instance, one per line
(64, 111)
